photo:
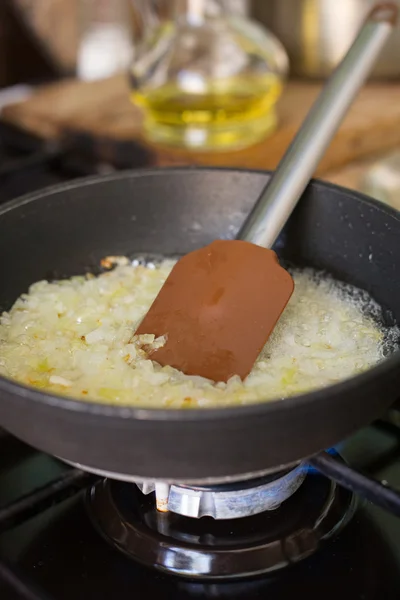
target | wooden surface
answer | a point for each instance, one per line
(352, 175)
(103, 108)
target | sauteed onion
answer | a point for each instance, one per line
(74, 337)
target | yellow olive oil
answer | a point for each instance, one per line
(224, 114)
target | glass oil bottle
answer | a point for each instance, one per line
(208, 79)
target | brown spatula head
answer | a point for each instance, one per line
(217, 309)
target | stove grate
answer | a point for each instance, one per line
(378, 493)
(26, 507)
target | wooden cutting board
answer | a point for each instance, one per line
(103, 109)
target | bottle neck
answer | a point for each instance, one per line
(195, 12)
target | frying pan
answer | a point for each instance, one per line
(66, 230)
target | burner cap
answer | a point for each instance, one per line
(207, 548)
(227, 501)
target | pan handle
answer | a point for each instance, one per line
(298, 165)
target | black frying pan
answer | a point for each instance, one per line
(65, 230)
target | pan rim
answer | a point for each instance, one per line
(127, 413)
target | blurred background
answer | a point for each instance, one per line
(92, 86)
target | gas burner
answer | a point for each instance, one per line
(227, 501)
(209, 548)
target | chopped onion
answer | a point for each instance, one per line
(76, 337)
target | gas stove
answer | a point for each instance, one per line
(66, 534)
(28, 163)
(253, 531)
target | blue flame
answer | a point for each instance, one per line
(332, 451)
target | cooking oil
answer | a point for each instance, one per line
(208, 80)
(230, 113)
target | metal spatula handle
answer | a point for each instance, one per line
(298, 165)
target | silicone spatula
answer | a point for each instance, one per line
(220, 303)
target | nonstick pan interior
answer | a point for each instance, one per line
(66, 230)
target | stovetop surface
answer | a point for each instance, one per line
(58, 553)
